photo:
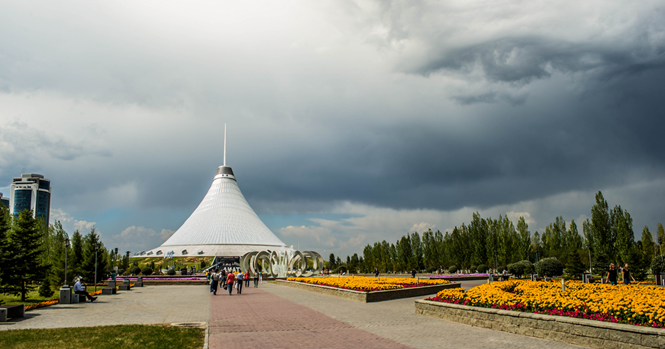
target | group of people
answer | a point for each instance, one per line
(229, 280)
(625, 273)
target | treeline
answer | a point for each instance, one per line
(32, 254)
(606, 237)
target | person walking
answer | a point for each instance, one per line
(612, 275)
(256, 279)
(223, 279)
(215, 282)
(626, 275)
(248, 275)
(230, 278)
(239, 278)
(413, 273)
(209, 277)
(376, 272)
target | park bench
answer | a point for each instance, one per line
(125, 286)
(110, 289)
(588, 278)
(11, 311)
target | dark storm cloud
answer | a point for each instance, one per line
(405, 105)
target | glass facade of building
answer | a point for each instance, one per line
(22, 200)
(5, 201)
(31, 192)
(43, 200)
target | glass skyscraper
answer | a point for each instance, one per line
(4, 200)
(31, 192)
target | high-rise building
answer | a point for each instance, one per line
(31, 192)
(4, 200)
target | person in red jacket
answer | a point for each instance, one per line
(248, 275)
(230, 278)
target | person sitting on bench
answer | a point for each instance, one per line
(78, 289)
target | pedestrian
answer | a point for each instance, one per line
(256, 279)
(239, 278)
(230, 278)
(78, 289)
(215, 281)
(376, 272)
(413, 273)
(626, 275)
(248, 275)
(209, 277)
(261, 277)
(612, 275)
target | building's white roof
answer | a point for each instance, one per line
(222, 224)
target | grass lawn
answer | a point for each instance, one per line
(129, 336)
(32, 297)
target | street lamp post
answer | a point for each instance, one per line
(66, 246)
(96, 248)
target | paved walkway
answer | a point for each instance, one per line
(141, 305)
(397, 320)
(276, 316)
(259, 319)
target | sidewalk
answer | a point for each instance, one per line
(259, 319)
(141, 305)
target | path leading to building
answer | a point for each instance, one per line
(260, 319)
(397, 321)
(141, 305)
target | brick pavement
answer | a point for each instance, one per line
(396, 320)
(259, 319)
(141, 305)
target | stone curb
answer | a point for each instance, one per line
(584, 332)
(368, 297)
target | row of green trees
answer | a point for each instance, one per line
(606, 237)
(32, 254)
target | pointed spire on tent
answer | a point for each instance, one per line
(224, 144)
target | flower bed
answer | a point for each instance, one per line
(629, 304)
(368, 284)
(459, 275)
(147, 278)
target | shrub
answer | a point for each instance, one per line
(520, 268)
(482, 268)
(549, 267)
(146, 271)
(473, 269)
(45, 288)
(136, 270)
(171, 272)
(121, 271)
(452, 269)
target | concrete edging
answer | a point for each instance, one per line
(459, 278)
(367, 297)
(583, 332)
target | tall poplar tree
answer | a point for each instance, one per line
(603, 239)
(648, 247)
(524, 238)
(622, 229)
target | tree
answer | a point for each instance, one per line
(24, 266)
(524, 238)
(58, 252)
(574, 266)
(661, 237)
(91, 243)
(622, 230)
(331, 261)
(5, 224)
(648, 247)
(600, 227)
(77, 254)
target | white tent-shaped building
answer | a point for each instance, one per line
(222, 225)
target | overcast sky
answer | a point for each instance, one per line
(349, 121)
